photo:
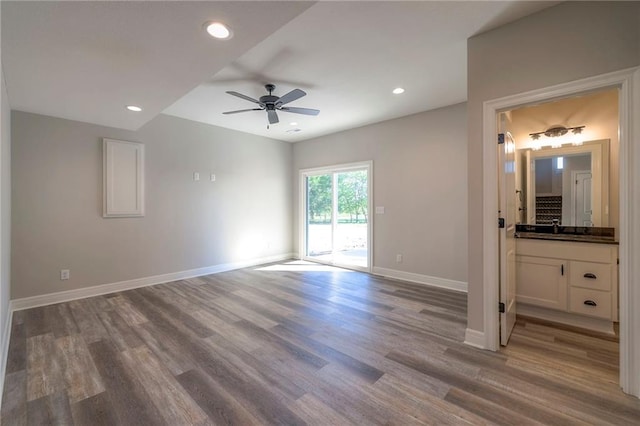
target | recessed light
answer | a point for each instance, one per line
(398, 90)
(218, 30)
(134, 108)
(293, 123)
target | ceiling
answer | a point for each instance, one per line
(86, 60)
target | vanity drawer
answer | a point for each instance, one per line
(590, 275)
(602, 300)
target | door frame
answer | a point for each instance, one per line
(302, 220)
(628, 83)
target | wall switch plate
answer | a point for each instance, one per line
(399, 258)
(380, 210)
(64, 274)
(196, 176)
(213, 177)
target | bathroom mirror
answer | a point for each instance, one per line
(570, 184)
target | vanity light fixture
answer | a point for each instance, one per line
(218, 30)
(134, 108)
(556, 132)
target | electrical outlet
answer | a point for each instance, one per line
(65, 274)
(399, 258)
(196, 176)
(213, 177)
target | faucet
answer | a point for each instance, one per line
(555, 223)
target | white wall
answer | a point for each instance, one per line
(564, 43)
(419, 176)
(5, 222)
(57, 202)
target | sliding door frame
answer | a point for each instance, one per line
(339, 168)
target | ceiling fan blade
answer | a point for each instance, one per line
(242, 110)
(273, 117)
(245, 97)
(305, 111)
(291, 96)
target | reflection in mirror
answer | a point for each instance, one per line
(563, 190)
(568, 184)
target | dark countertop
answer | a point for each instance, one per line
(567, 237)
(567, 233)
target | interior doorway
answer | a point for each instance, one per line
(335, 215)
(628, 84)
(552, 175)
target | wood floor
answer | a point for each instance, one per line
(295, 344)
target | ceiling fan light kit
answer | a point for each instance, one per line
(272, 103)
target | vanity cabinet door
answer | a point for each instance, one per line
(542, 282)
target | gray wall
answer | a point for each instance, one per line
(5, 215)
(568, 42)
(419, 177)
(57, 202)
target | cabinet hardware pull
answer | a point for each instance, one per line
(590, 303)
(562, 269)
(590, 275)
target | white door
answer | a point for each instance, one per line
(582, 199)
(507, 211)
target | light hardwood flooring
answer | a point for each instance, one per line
(295, 344)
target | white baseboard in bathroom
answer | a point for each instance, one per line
(575, 320)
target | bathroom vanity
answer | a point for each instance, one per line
(568, 275)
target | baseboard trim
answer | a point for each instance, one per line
(575, 320)
(81, 293)
(421, 279)
(474, 338)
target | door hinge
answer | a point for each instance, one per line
(500, 138)
(501, 222)
(501, 308)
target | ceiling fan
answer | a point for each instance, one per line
(272, 103)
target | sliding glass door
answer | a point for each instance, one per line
(336, 215)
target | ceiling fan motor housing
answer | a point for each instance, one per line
(268, 99)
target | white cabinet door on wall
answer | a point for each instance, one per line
(123, 164)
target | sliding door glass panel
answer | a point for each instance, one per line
(337, 217)
(319, 223)
(351, 224)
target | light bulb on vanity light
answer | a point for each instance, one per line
(537, 146)
(578, 137)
